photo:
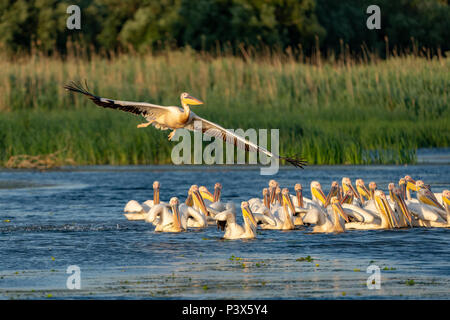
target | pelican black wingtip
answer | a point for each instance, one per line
(296, 162)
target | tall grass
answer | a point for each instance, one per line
(331, 113)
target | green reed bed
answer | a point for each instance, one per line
(330, 113)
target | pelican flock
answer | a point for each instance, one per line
(173, 118)
(344, 208)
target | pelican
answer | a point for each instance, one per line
(317, 194)
(234, 230)
(346, 186)
(329, 221)
(385, 215)
(175, 216)
(362, 190)
(372, 188)
(136, 211)
(283, 216)
(174, 118)
(168, 221)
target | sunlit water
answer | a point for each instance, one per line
(50, 220)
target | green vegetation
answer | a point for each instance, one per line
(224, 25)
(307, 258)
(335, 112)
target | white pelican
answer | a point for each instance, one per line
(346, 186)
(385, 215)
(364, 194)
(282, 216)
(174, 118)
(372, 188)
(234, 230)
(329, 220)
(317, 194)
(168, 221)
(136, 211)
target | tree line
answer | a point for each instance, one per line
(221, 25)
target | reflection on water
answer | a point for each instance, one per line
(74, 217)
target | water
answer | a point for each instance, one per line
(50, 220)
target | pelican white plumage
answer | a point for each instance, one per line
(173, 118)
(384, 212)
(329, 220)
(227, 221)
(136, 211)
(281, 217)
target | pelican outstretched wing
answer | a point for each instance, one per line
(147, 110)
(214, 130)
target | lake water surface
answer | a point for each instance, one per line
(74, 216)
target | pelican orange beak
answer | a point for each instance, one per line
(338, 208)
(410, 183)
(190, 100)
(247, 214)
(427, 197)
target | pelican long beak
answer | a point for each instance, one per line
(217, 192)
(272, 194)
(386, 210)
(246, 213)
(192, 101)
(338, 208)
(363, 192)
(287, 200)
(176, 218)
(156, 196)
(427, 197)
(318, 193)
(207, 195)
(354, 191)
(188, 201)
(401, 203)
(411, 185)
(198, 201)
(333, 193)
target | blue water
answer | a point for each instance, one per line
(50, 220)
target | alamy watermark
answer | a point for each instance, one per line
(74, 280)
(213, 153)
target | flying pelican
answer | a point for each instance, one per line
(174, 118)
(234, 230)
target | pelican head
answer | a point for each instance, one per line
(187, 99)
(247, 214)
(419, 185)
(174, 203)
(334, 191)
(397, 197)
(383, 207)
(337, 208)
(347, 185)
(410, 183)
(424, 195)
(361, 188)
(446, 200)
(156, 185)
(206, 194)
(287, 200)
(265, 192)
(317, 193)
(298, 187)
